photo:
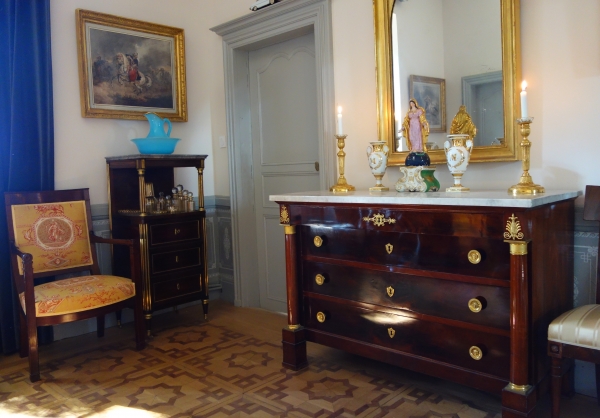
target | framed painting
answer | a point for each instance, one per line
(128, 68)
(430, 94)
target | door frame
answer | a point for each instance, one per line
(273, 24)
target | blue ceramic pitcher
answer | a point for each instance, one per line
(157, 125)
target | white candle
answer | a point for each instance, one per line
(524, 100)
(339, 121)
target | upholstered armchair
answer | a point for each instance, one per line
(50, 234)
(576, 333)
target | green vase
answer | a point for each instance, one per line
(433, 185)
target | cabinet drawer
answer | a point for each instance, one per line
(443, 253)
(175, 260)
(175, 288)
(174, 232)
(405, 333)
(426, 295)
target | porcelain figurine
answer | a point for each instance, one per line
(377, 153)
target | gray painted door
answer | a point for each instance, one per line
(285, 148)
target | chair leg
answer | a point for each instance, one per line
(100, 326)
(118, 313)
(598, 383)
(23, 337)
(557, 374)
(34, 359)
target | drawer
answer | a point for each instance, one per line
(174, 232)
(425, 295)
(408, 334)
(440, 220)
(175, 260)
(171, 289)
(442, 253)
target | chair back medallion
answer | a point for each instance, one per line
(55, 234)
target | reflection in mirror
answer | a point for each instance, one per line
(460, 52)
(433, 38)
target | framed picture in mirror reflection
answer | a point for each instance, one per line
(430, 93)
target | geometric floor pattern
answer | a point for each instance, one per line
(195, 368)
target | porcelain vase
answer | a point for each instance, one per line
(458, 152)
(377, 153)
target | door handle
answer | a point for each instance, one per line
(316, 165)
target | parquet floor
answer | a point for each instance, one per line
(229, 366)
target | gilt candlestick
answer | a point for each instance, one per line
(526, 184)
(342, 185)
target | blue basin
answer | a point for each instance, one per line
(156, 144)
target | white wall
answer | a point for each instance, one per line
(82, 143)
(560, 44)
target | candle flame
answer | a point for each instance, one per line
(340, 109)
(524, 85)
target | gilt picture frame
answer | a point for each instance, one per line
(430, 94)
(129, 67)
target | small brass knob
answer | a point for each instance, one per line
(320, 317)
(177, 286)
(390, 291)
(319, 279)
(389, 248)
(318, 241)
(476, 353)
(474, 256)
(477, 304)
(391, 332)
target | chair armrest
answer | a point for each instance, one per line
(24, 283)
(115, 241)
(24, 256)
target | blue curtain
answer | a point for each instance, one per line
(26, 127)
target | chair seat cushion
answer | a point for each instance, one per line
(78, 294)
(580, 327)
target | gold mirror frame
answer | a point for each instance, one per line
(511, 74)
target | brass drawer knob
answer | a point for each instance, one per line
(177, 231)
(477, 304)
(474, 257)
(320, 317)
(177, 286)
(391, 332)
(389, 248)
(476, 353)
(390, 291)
(319, 279)
(318, 241)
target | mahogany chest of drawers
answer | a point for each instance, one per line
(462, 289)
(172, 246)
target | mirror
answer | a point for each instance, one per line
(454, 70)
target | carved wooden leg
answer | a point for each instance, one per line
(100, 326)
(598, 383)
(519, 396)
(205, 308)
(23, 337)
(34, 360)
(557, 374)
(294, 348)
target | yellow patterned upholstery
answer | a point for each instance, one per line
(55, 234)
(79, 294)
(580, 327)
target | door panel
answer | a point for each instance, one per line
(285, 148)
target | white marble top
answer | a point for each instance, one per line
(499, 198)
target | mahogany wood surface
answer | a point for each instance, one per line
(433, 280)
(172, 246)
